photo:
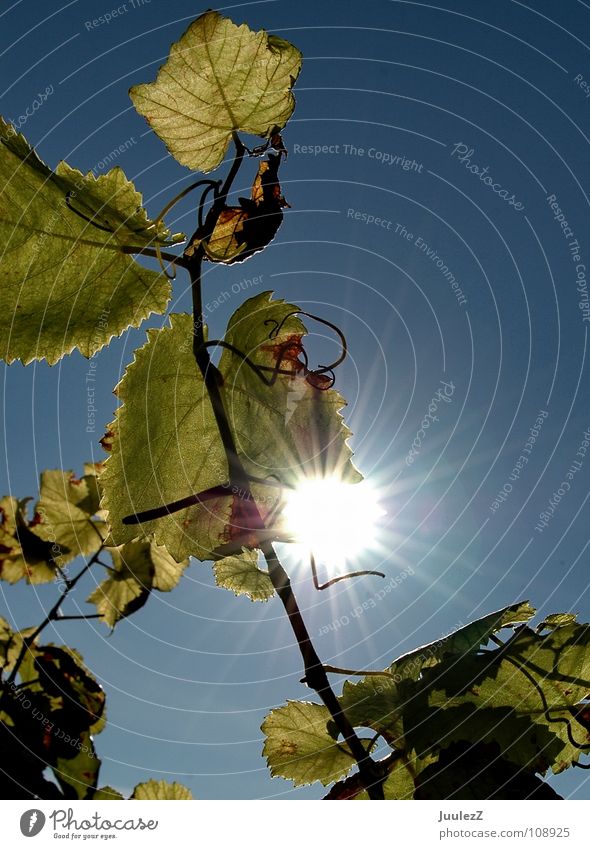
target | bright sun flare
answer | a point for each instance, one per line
(335, 520)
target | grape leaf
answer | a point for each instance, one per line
(64, 514)
(515, 710)
(521, 696)
(375, 702)
(55, 711)
(138, 567)
(166, 445)
(159, 790)
(464, 641)
(305, 434)
(11, 643)
(77, 699)
(62, 527)
(65, 283)
(477, 771)
(23, 554)
(24, 756)
(399, 783)
(107, 794)
(557, 620)
(242, 575)
(78, 775)
(218, 79)
(301, 744)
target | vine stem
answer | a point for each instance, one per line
(370, 772)
(54, 615)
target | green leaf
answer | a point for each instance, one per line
(56, 708)
(241, 574)
(22, 744)
(557, 620)
(67, 284)
(166, 445)
(477, 772)
(138, 568)
(107, 794)
(77, 699)
(160, 790)
(375, 702)
(301, 744)
(78, 775)
(521, 697)
(23, 554)
(399, 783)
(464, 641)
(65, 511)
(292, 429)
(219, 78)
(467, 723)
(11, 643)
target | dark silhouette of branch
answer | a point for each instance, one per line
(370, 773)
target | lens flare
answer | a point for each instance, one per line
(335, 520)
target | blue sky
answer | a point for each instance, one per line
(428, 145)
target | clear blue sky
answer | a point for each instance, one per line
(426, 92)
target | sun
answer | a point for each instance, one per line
(336, 521)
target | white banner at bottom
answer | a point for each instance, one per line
(288, 825)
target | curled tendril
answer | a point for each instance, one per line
(322, 369)
(215, 186)
(258, 369)
(318, 586)
(321, 378)
(210, 184)
(551, 719)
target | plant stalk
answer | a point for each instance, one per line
(370, 773)
(53, 614)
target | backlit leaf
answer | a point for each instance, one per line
(477, 772)
(166, 445)
(399, 783)
(304, 433)
(138, 568)
(161, 790)
(23, 554)
(241, 574)
(65, 283)
(464, 641)
(301, 744)
(78, 775)
(557, 620)
(375, 702)
(11, 643)
(78, 700)
(107, 794)
(66, 513)
(219, 78)
(522, 697)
